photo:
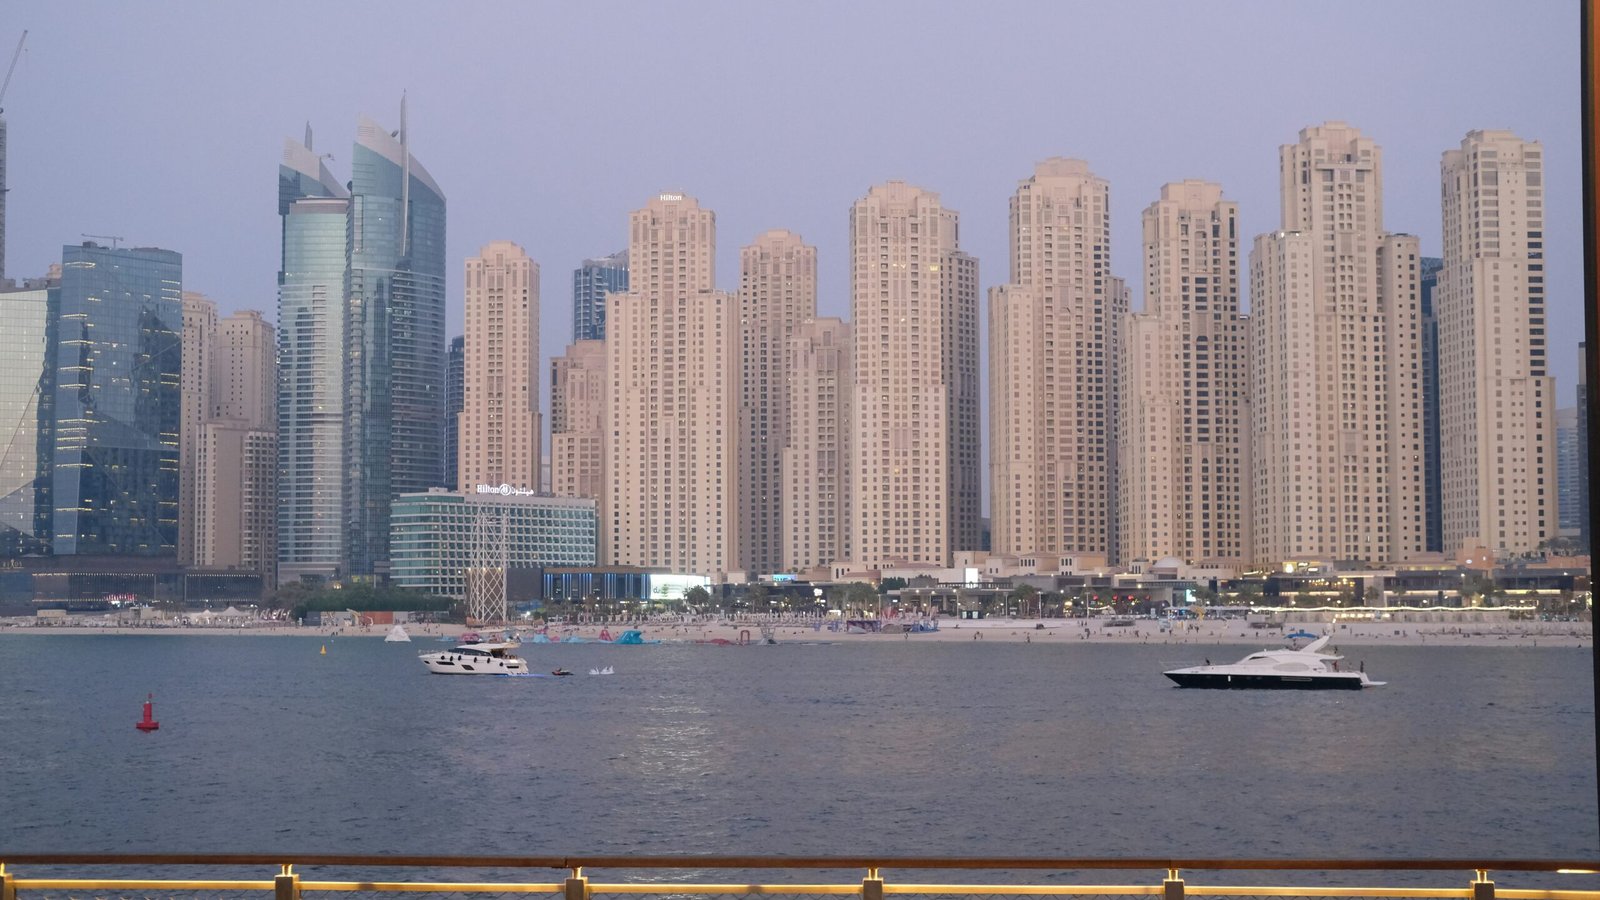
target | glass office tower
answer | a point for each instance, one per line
(395, 339)
(27, 398)
(311, 341)
(590, 284)
(119, 355)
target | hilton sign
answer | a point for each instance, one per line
(505, 490)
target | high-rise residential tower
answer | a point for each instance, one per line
(578, 421)
(236, 451)
(500, 426)
(395, 338)
(1336, 412)
(1569, 466)
(591, 282)
(777, 292)
(816, 460)
(1052, 362)
(119, 360)
(454, 396)
(914, 300)
(198, 392)
(311, 354)
(1496, 395)
(672, 344)
(1183, 472)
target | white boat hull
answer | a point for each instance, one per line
(475, 660)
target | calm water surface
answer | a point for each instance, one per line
(955, 748)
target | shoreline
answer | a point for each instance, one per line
(1018, 631)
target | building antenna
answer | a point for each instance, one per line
(16, 55)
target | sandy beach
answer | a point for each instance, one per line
(1052, 631)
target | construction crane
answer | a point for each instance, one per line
(113, 238)
(16, 55)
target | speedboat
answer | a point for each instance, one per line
(477, 659)
(1305, 669)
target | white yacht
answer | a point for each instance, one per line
(1305, 669)
(476, 659)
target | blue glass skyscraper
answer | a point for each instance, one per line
(119, 355)
(395, 338)
(590, 284)
(311, 341)
(1432, 490)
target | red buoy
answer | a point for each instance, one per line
(148, 723)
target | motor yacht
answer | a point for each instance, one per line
(1305, 669)
(477, 659)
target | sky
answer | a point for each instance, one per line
(547, 123)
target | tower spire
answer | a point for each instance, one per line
(405, 182)
(308, 134)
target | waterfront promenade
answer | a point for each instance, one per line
(1021, 631)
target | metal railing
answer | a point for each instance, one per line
(62, 875)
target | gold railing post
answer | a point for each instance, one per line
(1482, 887)
(872, 885)
(284, 887)
(8, 884)
(1172, 888)
(577, 885)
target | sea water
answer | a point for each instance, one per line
(894, 747)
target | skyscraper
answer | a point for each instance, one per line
(1496, 396)
(1052, 353)
(1427, 288)
(591, 282)
(672, 345)
(777, 292)
(311, 354)
(27, 419)
(816, 459)
(119, 360)
(912, 294)
(395, 338)
(199, 396)
(1336, 415)
(577, 421)
(500, 426)
(1569, 466)
(1183, 472)
(236, 451)
(454, 396)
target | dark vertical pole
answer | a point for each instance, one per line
(1589, 46)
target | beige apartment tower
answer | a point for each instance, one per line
(1183, 417)
(499, 437)
(777, 292)
(236, 503)
(816, 461)
(1336, 412)
(1053, 335)
(915, 456)
(197, 398)
(1497, 400)
(577, 421)
(672, 344)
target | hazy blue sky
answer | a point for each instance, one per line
(547, 123)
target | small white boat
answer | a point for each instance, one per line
(476, 659)
(1304, 669)
(396, 635)
(606, 671)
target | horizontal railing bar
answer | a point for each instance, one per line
(1527, 894)
(663, 887)
(137, 884)
(488, 887)
(798, 862)
(1053, 890)
(1260, 891)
